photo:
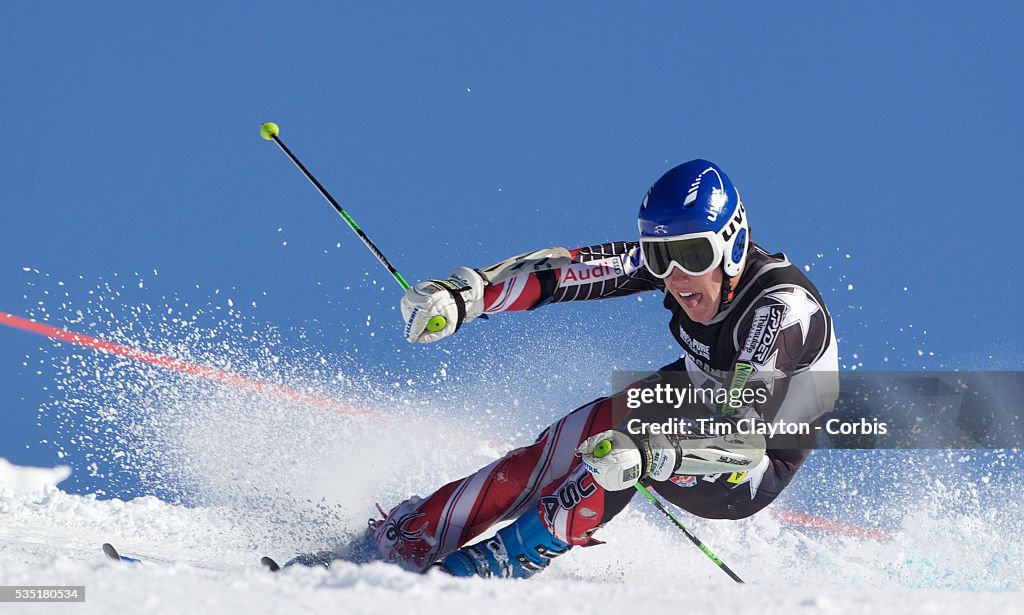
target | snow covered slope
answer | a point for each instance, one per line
(205, 559)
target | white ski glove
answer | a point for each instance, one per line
(458, 300)
(623, 464)
(658, 457)
(614, 467)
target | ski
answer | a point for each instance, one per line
(361, 549)
(310, 560)
(111, 552)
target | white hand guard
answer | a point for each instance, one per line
(458, 300)
(621, 465)
(727, 453)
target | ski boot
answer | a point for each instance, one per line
(517, 551)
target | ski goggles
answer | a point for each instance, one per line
(694, 254)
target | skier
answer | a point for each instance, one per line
(745, 319)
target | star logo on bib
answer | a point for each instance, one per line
(799, 309)
(767, 373)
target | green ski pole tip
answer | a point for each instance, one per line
(269, 130)
(436, 323)
(603, 448)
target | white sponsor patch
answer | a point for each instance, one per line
(592, 271)
(764, 330)
(695, 346)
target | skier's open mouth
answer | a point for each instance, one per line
(690, 299)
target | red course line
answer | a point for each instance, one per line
(184, 367)
(828, 525)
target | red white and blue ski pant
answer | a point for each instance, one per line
(547, 478)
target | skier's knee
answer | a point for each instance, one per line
(735, 509)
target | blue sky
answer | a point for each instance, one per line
(878, 145)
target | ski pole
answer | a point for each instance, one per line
(700, 545)
(604, 447)
(270, 132)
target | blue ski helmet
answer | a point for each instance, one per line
(692, 218)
